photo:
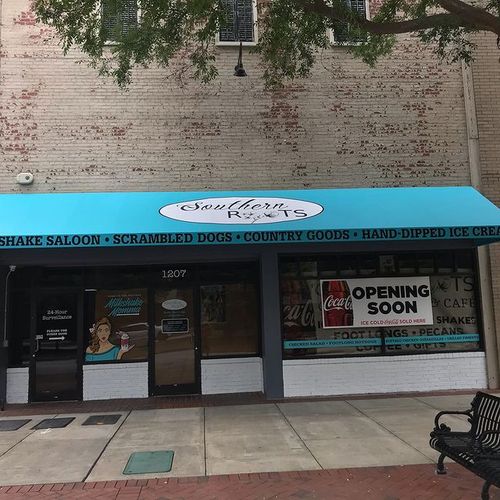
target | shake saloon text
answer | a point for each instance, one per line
(317, 235)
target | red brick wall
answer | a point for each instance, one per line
(400, 124)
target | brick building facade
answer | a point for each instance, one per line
(405, 123)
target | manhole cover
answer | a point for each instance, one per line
(148, 462)
(102, 420)
(13, 425)
(54, 423)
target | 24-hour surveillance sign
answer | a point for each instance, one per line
(241, 210)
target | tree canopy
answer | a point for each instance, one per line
(290, 31)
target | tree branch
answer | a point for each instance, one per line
(477, 16)
(463, 15)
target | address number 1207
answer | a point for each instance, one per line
(173, 273)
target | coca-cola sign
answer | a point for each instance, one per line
(299, 315)
(337, 303)
(376, 302)
(241, 210)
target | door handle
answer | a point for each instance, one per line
(37, 346)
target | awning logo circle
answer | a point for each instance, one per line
(241, 210)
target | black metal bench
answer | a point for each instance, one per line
(478, 449)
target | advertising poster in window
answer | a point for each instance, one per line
(303, 330)
(301, 312)
(120, 328)
(377, 302)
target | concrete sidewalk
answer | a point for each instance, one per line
(287, 436)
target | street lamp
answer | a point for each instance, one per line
(239, 70)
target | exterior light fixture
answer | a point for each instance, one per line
(239, 70)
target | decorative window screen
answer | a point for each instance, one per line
(118, 17)
(239, 21)
(342, 31)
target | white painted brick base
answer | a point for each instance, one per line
(231, 375)
(17, 385)
(115, 381)
(426, 372)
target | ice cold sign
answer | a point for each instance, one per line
(241, 210)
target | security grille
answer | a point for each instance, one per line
(342, 31)
(239, 22)
(118, 18)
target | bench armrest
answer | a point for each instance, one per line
(443, 427)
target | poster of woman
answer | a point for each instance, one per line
(100, 348)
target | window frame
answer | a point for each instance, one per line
(330, 32)
(100, 7)
(236, 43)
(384, 352)
(227, 281)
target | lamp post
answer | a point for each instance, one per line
(239, 70)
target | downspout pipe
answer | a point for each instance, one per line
(485, 283)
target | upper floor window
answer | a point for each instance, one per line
(239, 22)
(118, 17)
(342, 32)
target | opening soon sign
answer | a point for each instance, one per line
(376, 302)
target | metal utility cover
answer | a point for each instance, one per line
(13, 425)
(102, 420)
(149, 462)
(54, 423)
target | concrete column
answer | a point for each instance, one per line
(491, 343)
(272, 358)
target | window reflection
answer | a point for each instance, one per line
(229, 319)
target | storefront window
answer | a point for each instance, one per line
(455, 325)
(328, 266)
(464, 262)
(367, 265)
(119, 328)
(436, 310)
(229, 319)
(347, 265)
(425, 262)
(407, 264)
(444, 262)
(387, 264)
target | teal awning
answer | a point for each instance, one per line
(246, 217)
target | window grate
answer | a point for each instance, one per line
(116, 21)
(342, 31)
(239, 22)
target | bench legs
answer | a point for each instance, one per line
(440, 468)
(485, 495)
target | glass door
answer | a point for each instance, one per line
(176, 364)
(55, 371)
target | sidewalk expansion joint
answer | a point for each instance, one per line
(25, 437)
(391, 432)
(298, 435)
(105, 447)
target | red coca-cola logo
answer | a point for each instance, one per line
(332, 303)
